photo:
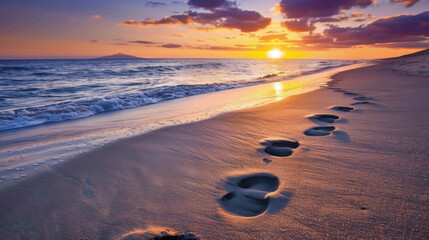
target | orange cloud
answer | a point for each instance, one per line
(96, 16)
(357, 14)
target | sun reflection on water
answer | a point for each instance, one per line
(278, 87)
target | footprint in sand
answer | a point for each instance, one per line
(361, 103)
(340, 90)
(362, 98)
(342, 108)
(158, 233)
(327, 118)
(280, 148)
(351, 93)
(319, 131)
(336, 89)
(250, 198)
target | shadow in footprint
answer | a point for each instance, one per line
(263, 182)
(279, 203)
(280, 148)
(327, 118)
(342, 136)
(319, 131)
(245, 206)
(342, 108)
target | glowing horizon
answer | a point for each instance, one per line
(212, 29)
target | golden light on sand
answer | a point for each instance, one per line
(275, 53)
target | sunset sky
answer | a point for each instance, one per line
(336, 29)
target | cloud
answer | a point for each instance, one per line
(93, 41)
(330, 19)
(170, 45)
(402, 31)
(210, 4)
(402, 28)
(223, 48)
(221, 14)
(408, 3)
(424, 44)
(361, 19)
(317, 39)
(270, 37)
(318, 8)
(96, 16)
(307, 24)
(155, 4)
(357, 14)
(299, 25)
(141, 42)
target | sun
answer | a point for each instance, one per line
(275, 53)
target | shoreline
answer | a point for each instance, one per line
(26, 152)
(361, 177)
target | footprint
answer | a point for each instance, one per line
(187, 236)
(267, 183)
(339, 90)
(336, 89)
(361, 103)
(158, 233)
(342, 108)
(280, 148)
(319, 131)
(327, 118)
(249, 199)
(362, 98)
(351, 93)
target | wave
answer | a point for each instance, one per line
(164, 69)
(14, 69)
(75, 108)
(84, 108)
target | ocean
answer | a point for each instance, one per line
(34, 92)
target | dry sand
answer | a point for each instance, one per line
(367, 178)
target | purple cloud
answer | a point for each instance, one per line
(171, 46)
(155, 4)
(141, 42)
(222, 14)
(210, 4)
(318, 8)
(408, 3)
(299, 25)
(402, 28)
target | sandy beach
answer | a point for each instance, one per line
(351, 164)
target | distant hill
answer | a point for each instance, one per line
(119, 56)
(416, 54)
